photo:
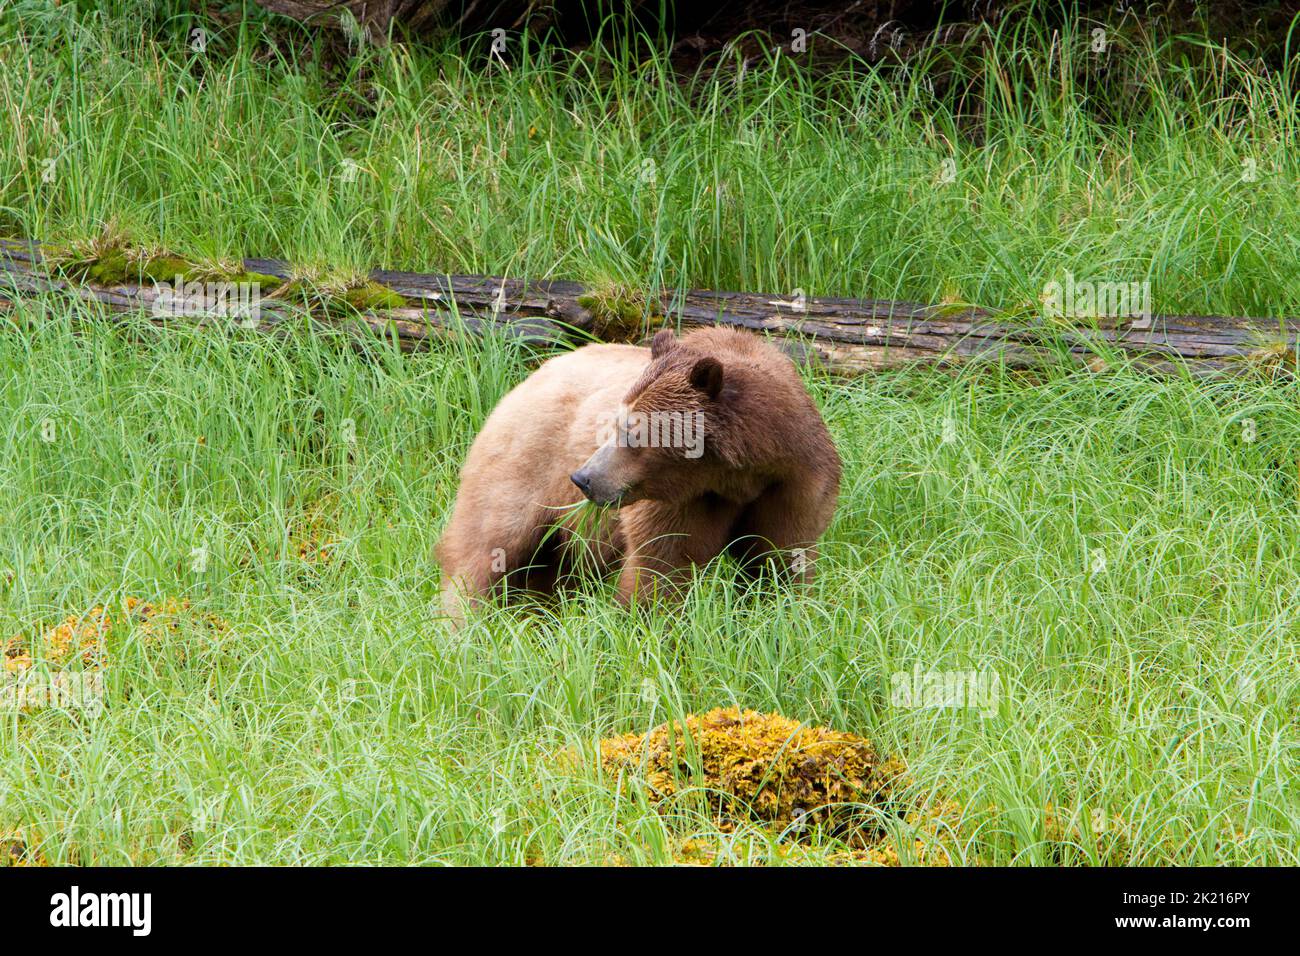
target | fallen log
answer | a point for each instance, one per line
(848, 336)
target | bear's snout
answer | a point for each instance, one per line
(596, 487)
(601, 479)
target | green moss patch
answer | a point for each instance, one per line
(368, 296)
(373, 297)
(117, 264)
(619, 313)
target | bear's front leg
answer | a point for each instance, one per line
(665, 541)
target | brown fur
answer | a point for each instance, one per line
(764, 487)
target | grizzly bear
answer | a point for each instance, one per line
(692, 447)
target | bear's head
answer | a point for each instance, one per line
(655, 447)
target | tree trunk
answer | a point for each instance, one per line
(847, 336)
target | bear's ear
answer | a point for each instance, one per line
(706, 375)
(665, 341)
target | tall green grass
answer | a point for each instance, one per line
(1116, 548)
(1137, 164)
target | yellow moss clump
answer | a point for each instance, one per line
(762, 766)
(1107, 835)
(86, 635)
(16, 849)
(698, 852)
